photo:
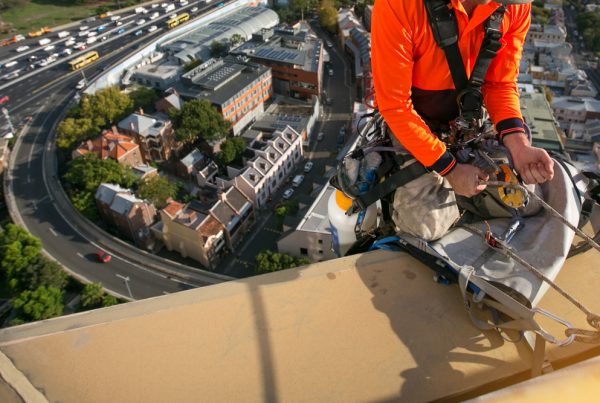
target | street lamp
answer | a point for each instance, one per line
(126, 279)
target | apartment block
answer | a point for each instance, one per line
(575, 110)
(154, 135)
(130, 215)
(237, 89)
(295, 57)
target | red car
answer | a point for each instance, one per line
(103, 257)
(4, 99)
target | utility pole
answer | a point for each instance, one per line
(126, 279)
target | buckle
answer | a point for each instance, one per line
(493, 34)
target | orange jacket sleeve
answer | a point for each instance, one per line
(500, 93)
(392, 66)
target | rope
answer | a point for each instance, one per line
(582, 335)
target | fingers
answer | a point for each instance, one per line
(536, 173)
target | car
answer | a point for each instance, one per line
(66, 52)
(103, 38)
(4, 99)
(308, 166)
(343, 131)
(297, 181)
(82, 46)
(32, 58)
(93, 33)
(84, 28)
(154, 15)
(103, 256)
(194, 9)
(83, 33)
(329, 101)
(101, 28)
(120, 31)
(80, 84)
(320, 136)
(288, 193)
(138, 33)
(141, 21)
(22, 48)
(11, 63)
(329, 44)
(70, 42)
(118, 23)
(91, 19)
(331, 72)
(152, 28)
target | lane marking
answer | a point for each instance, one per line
(52, 231)
(80, 255)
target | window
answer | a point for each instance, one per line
(303, 251)
(320, 242)
(320, 252)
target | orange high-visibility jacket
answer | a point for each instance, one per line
(412, 78)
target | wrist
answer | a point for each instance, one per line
(516, 140)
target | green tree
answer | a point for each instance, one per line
(18, 250)
(231, 150)
(217, 49)
(109, 300)
(86, 173)
(144, 98)
(192, 64)
(42, 303)
(106, 106)
(328, 16)
(235, 40)
(72, 131)
(42, 272)
(92, 296)
(157, 190)
(85, 203)
(267, 261)
(198, 119)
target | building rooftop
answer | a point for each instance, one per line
(576, 104)
(194, 157)
(107, 145)
(538, 115)
(106, 192)
(123, 202)
(365, 328)
(316, 219)
(236, 198)
(144, 125)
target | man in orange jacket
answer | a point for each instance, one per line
(413, 84)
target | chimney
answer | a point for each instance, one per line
(111, 145)
(114, 129)
(90, 145)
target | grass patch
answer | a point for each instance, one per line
(35, 14)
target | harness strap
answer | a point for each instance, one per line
(382, 189)
(442, 20)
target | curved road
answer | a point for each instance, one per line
(34, 194)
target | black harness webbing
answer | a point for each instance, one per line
(442, 20)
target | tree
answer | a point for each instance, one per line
(92, 296)
(328, 16)
(109, 300)
(18, 250)
(144, 98)
(217, 49)
(72, 131)
(85, 203)
(157, 190)
(198, 119)
(231, 149)
(192, 64)
(235, 40)
(42, 272)
(87, 172)
(106, 106)
(43, 303)
(268, 261)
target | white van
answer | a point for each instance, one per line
(63, 34)
(297, 181)
(44, 42)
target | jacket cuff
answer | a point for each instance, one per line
(444, 165)
(509, 126)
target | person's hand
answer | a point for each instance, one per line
(465, 180)
(532, 163)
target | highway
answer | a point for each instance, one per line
(33, 190)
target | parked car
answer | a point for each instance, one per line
(288, 193)
(329, 44)
(297, 181)
(320, 136)
(103, 257)
(308, 166)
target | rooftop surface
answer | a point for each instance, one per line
(366, 328)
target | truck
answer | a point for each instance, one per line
(63, 34)
(44, 42)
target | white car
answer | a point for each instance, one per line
(329, 44)
(70, 42)
(80, 84)
(93, 33)
(84, 28)
(22, 48)
(288, 193)
(152, 28)
(49, 48)
(194, 9)
(83, 33)
(66, 52)
(154, 16)
(308, 166)
(320, 136)
(140, 22)
(183, 3)
(10, 64)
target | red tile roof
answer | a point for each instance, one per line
(108, 145)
